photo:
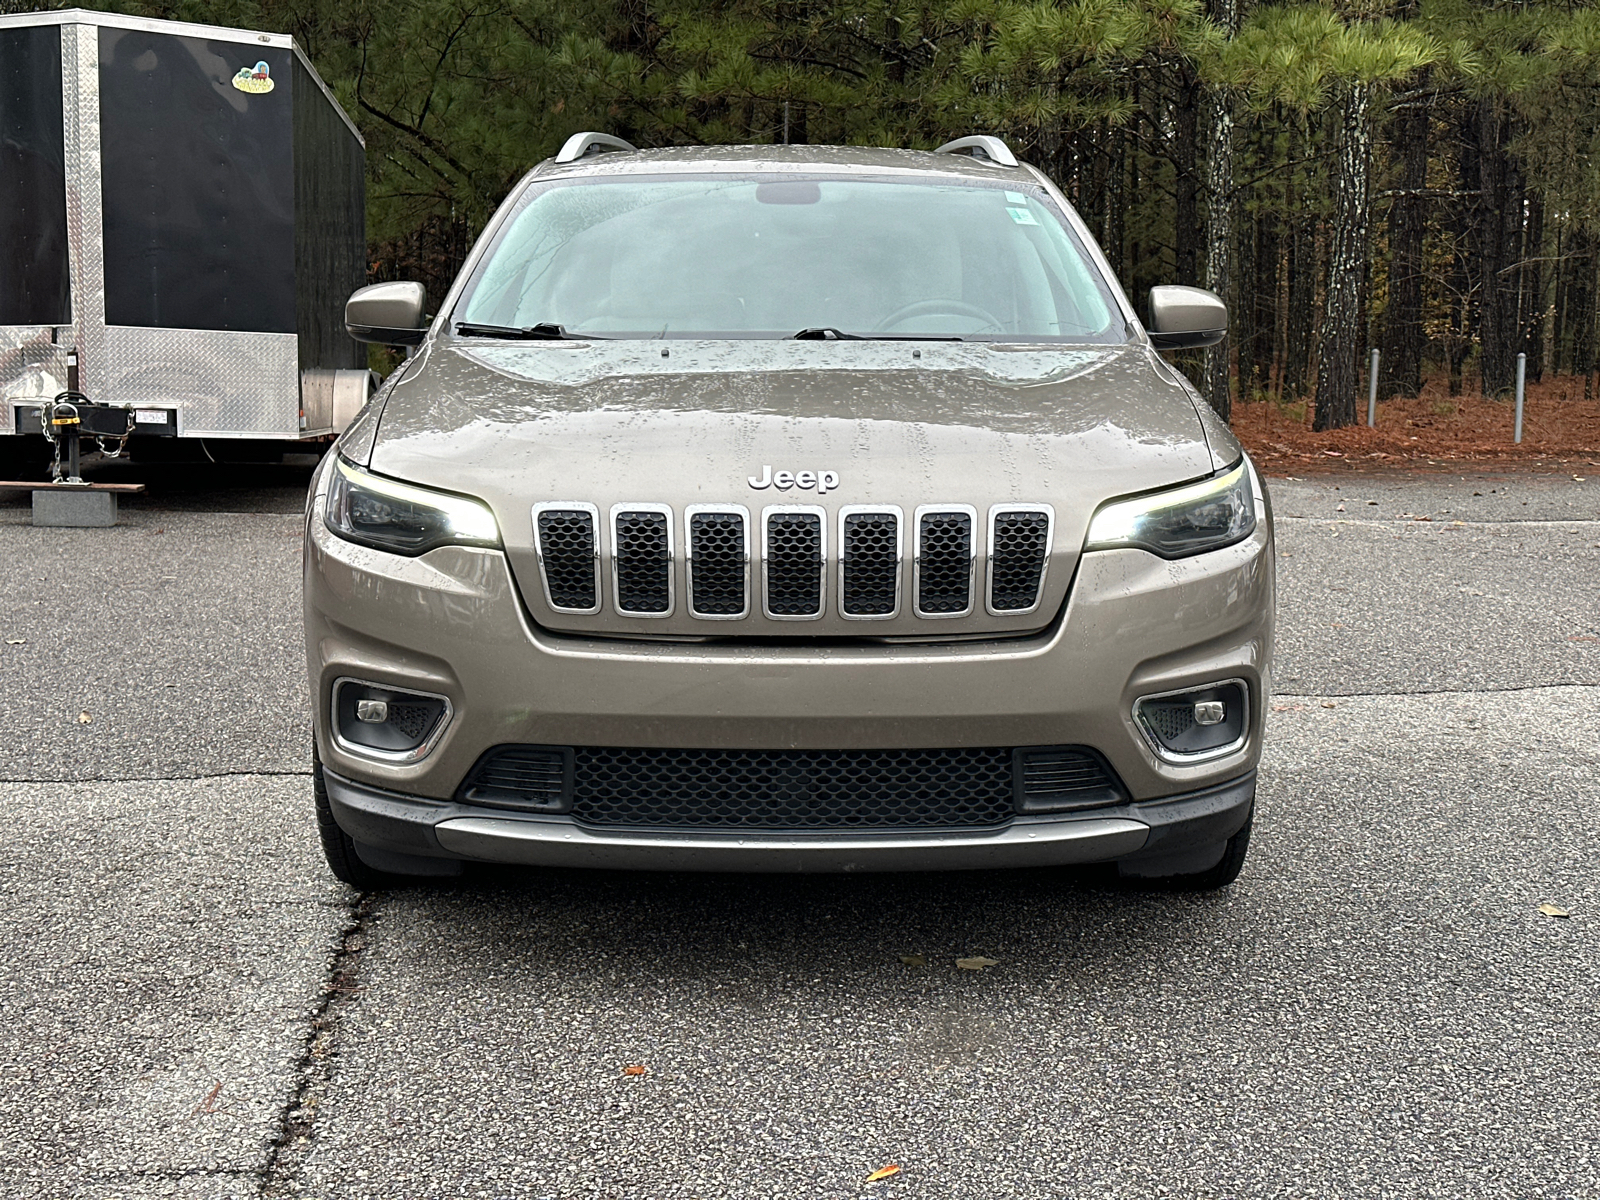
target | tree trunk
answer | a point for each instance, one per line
(1186, 214)
(1302, 264)
(1338, 377)
(1403, 339)
(1499, 251)
(1216, 371)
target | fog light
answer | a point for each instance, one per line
(382, 722)
(1195, 723)
(376, 712)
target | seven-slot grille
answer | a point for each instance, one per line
(1019, 541)
(794, 553)
(641, 559)
(945, 558)
(564, 535)
(794, 566)
(719, 562)
(869, 563)
(792, 790)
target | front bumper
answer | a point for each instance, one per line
(413, 833)
(450, 623)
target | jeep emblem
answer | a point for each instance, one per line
(823, 481)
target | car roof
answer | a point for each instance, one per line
(798, 159)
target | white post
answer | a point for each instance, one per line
(1522, 379)
(1372, 390)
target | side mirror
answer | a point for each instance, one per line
(387, 313)
(1185, 318)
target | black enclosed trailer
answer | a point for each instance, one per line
(182, 217)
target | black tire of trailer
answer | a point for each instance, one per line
(24, 458)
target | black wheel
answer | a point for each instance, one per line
(24, 459)
(1225, 872)
(338, 847)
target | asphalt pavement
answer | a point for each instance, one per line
(193, 1008)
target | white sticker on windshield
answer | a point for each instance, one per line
(1022, 216)
(1016, 198)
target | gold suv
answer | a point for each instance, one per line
(787, 509)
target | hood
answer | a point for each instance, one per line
(895, 423)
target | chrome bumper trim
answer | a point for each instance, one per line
(567, 844)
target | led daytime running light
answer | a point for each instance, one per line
(1154, 522)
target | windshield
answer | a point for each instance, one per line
(779, 256)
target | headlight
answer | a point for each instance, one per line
(1188, 520)
(400, 518)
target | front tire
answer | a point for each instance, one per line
(339, 848)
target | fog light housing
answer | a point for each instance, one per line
(375, 721)
(1196, 723)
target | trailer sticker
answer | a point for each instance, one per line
(149, 416)
(257, 79)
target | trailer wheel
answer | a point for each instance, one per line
(24, 458)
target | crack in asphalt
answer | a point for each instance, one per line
(296, 1131)
(163, 778)
(1483, 691)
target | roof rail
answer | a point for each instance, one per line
(981, 146)
(580, 144)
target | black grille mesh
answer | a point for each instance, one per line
(566, 542)
(643, 564)
(870, 563)
(1017, 566)
(793, 789)
(532, 778)
(413, 720)
(945, 578)
(794, 564)
(716, 564)
(1065, 779)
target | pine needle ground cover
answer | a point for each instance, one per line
(1560, 431)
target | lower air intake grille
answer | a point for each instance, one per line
(643, 556)
(870, 564)
(1065, 779)
(794, 564)
(717, 561)
(566, 553)
(530, 778)
(793, 789)
(1019, 543)
(944, 567)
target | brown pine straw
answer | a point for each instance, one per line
(1560, 431)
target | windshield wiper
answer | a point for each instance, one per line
(544, 332)
(826, 333)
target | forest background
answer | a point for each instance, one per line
(1416, 175)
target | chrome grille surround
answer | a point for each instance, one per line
(846, 526)
(942, 569)
(995, 568)
(631, 564)
(793, 525)
(696, 518)
(546, 553)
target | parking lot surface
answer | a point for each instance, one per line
(194, 1008)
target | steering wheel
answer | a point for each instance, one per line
(923, 308)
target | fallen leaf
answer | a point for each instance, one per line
(914, 960)
(634, 1069)
(16, 641)
(1329, 704)
(84, 718)
(884, 1172)
(976, 964)
(1551, 910)
(209, 1104)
